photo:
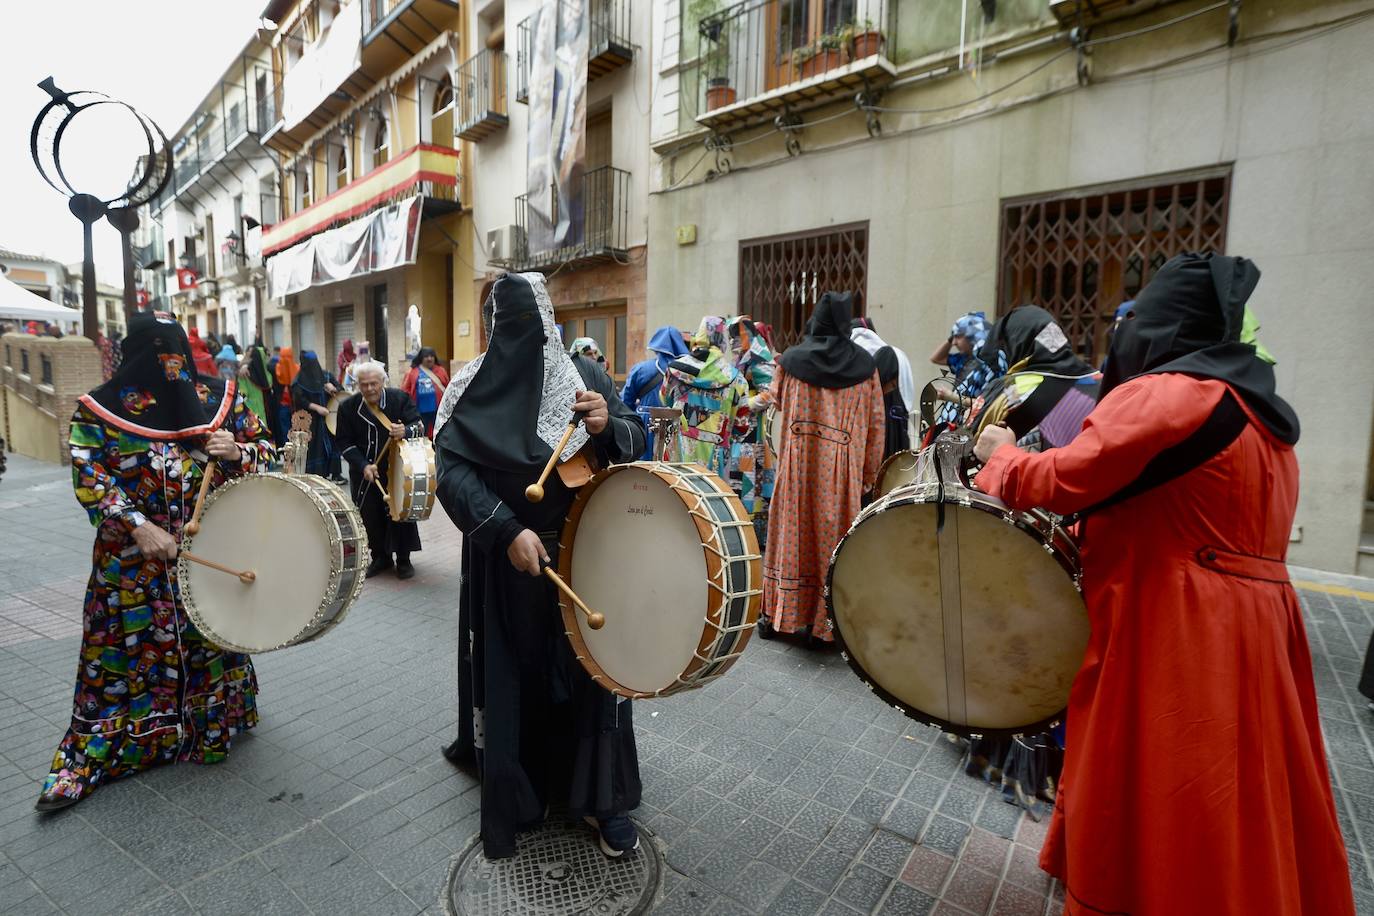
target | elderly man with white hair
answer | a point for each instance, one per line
(361, 440)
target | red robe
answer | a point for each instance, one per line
(1195, 778)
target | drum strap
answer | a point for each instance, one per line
(650, 386)
(1210, 439)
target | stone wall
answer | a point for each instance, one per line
(42, 377)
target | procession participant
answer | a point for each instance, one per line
(362, 441)
(642, 384)
(827, 386)
(364, 355)
(285, 371)
(587, 347)
(346, 358)
(150, 689)
(533, 719)
(899, 384)
(425, 384)
(255, 382)
(963, 356)
(751, 460)
(227, 363)
(311, 391)
(200, 354)
(711, 393)
(1197, 676)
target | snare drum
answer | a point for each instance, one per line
(897, 470)
(667, 553)
(301, 537)
(960, 611)
(413, 479)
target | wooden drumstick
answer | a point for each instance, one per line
(193, 526)
(535, 491)
(247, 576)
(594, 620)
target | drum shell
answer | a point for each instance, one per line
(734, 574)
(897, 470)
(414, 480)
(348, 557)
(331, 419)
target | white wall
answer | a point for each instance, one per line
(1295, 117)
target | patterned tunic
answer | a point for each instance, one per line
(832, 448)
(149, 689)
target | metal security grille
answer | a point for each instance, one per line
(782, 277)
(1081, 254)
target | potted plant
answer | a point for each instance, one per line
(715, 52)
(829, 54)
(866, 40)
(801, 60)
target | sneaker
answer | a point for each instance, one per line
(617, 835)
(378, 566)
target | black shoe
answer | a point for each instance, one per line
(49, 804)
(403, 568)
(378, 566)
(616, 835)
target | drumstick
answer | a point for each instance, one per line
(247, 577)
(535, 491)
(193, 526)
(594, 620)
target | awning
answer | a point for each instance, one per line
(17, 302)
(425, 162)
(386, 238)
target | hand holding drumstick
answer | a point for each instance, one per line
(589, 407)
(990, 440)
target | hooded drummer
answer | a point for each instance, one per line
(531, 719)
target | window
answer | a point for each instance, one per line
(781, 278)
(45, 363)
(24, 362)
(377, 342)
(272, 333)
(381, 141)
(441, 120)
(341, 166)
(1080, 254)
(303, 184)
(305, 333)
(606, 325)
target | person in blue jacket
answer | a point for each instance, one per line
(643, 382)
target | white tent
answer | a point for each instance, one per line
(18, 303)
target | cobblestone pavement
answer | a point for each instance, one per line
(785, 788)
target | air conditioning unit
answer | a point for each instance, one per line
(504, 244)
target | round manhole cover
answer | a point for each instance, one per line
(558, 868)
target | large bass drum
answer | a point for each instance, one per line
(667, 553)
(302, 539)
(960, 611)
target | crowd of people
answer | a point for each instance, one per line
(1196, 683)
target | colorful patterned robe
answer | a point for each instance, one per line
(149, 688)
(714, 410)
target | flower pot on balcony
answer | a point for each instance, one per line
(867, 44)
(719, 93)
(824, 61)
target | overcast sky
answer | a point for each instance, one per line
(160, 56)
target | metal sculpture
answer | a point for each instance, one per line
(151, 174)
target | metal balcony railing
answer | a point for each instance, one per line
(759, 47)
(245, 105)
(608, 43)
(605, 218)
(146, 255)
(231, 261)
(481, 92)
(524, 48)
(269, 209)
(199, 263)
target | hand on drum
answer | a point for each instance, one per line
(398, 431)
(154, 543)
(526, 551)
(593, 408)
(990, 440)
(221, 445)
(370, 473)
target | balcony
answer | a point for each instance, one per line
(482, 96)
(149, 256)
(233, 264)
(605, 216)
(608, 43)
(763, 57)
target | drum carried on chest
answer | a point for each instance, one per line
(413, 479)
(667, 553)
(960, 611)
(303, 541)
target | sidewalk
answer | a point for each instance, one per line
(785, 788)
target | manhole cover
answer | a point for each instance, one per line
(558, 869)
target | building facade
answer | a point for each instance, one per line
(938, 161)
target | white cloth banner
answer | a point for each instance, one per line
(324, 66)
(385, 238)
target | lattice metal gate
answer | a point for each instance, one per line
(1081, 254)
(782, 277)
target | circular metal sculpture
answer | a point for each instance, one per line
(557, 869)
(151, 174)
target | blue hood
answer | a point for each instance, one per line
(667, 342)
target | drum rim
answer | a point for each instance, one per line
(710, 634)
(887, 463)
(1014, 518)
(309, 484)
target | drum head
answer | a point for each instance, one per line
(639, 561)
(268, 525)
(331, 419)
(993, 652)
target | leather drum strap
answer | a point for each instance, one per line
(386, 422)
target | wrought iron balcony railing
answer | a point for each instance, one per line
(604, 223)
(608, 43)
(482, 95)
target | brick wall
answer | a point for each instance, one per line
(45, 408)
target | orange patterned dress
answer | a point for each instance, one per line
(832, 446)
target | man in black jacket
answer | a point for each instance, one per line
(361, 440)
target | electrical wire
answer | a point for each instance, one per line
(1145, 30)
(973, 101)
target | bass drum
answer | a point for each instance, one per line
(331, 419)
(898, 470)
(980, 626)
(667, 553)
(302, 539)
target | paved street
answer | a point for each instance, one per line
(786, 788)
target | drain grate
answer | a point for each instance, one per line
(558, 869)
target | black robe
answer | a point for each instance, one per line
(359, 439)
(532, 720)
(323, 457)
